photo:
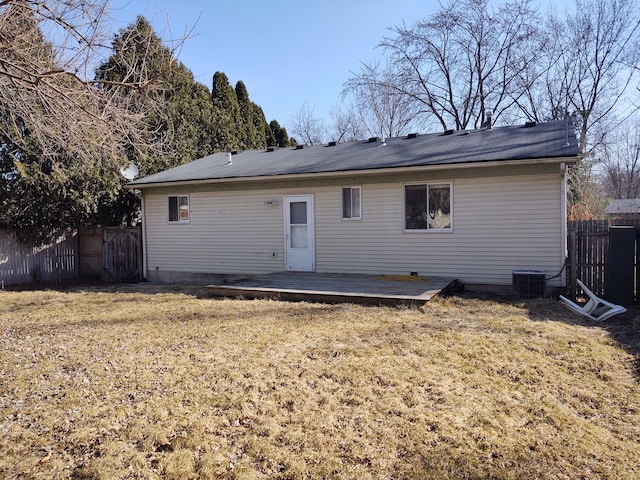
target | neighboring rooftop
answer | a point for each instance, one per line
(624, 206)
(523, 142)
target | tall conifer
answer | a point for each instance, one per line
(247, 129)
(181, 121)
(280, 136)
(262, 129)
(226, 115)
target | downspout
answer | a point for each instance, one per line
(144, 239)
(563, 202)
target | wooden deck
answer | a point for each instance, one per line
(336, 288)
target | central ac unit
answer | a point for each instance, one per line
(529, 283)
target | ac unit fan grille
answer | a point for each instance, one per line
(529, 283)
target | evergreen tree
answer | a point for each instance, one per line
(226, 115)
(180, 121)
(246, 128)
(262, 129)
(46, 187)
(191, 115)
(253, 128)
(279, 134)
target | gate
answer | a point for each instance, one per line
(122, 253)
(591, 261)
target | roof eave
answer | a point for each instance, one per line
(373, 171)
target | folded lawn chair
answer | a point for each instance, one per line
(596, 309)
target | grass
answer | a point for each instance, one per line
(160, 382)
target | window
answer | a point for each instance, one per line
(351, 203)
(179, 208)
(428, 206)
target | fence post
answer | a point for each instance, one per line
(573, 262)
(637, 266)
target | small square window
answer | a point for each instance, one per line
(179, 208)
(351, 203)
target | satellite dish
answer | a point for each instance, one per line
(131, 172)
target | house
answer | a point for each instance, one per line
(623, 210)
(473, 205)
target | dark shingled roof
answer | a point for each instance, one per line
(522, 142)
(624, 206)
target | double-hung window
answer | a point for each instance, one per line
(179, 208)
(351, 203)
(428, 207)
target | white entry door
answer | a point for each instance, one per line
(298, 233)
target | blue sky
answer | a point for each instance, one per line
(288, 53)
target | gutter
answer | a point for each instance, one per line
(338, 174)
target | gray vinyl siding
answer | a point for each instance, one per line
(230, 232)
(500, 223)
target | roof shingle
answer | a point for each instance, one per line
(546, 140)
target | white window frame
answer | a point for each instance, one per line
(428, 184)
(188, 209)
(351, 188)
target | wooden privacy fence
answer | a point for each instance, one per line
(590, 259)
(56, 261)
(110, 254)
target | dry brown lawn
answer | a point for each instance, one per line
(161, 382)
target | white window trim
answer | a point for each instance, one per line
(179, 221)
(352, 218)
(427, 230)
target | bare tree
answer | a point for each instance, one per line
(51, 103)
(591, 62)
(463, 63)
(621, 162)
(345, 125)
(306, 127)
(588, 68)
(382, 105)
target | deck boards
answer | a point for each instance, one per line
(336, 288)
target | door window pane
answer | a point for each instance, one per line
(299, 237)
(298, 212)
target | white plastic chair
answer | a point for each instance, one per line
(596, 308)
